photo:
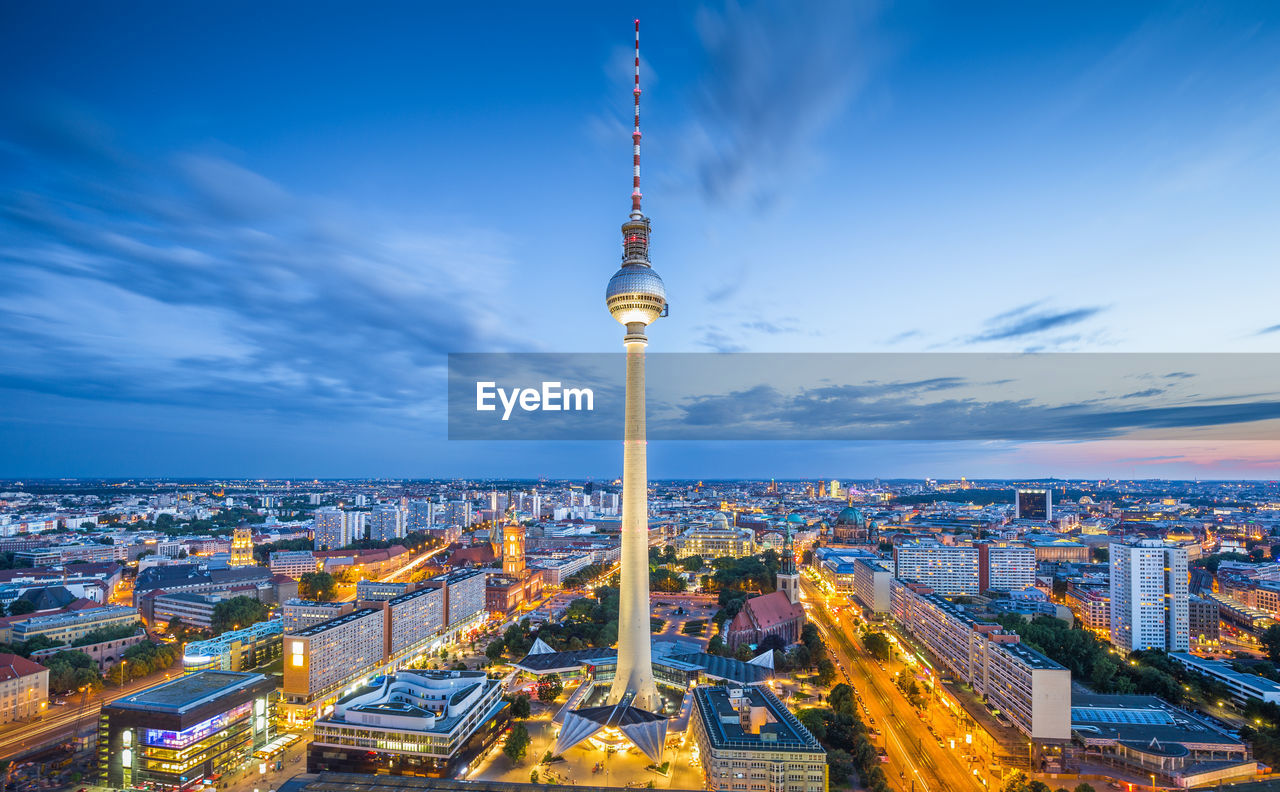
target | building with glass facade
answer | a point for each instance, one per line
(173, 735)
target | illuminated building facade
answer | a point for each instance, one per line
(748, 741)
(1149, 593)
(242, 546)
(410, 723)
(173, 735)
(236, 650)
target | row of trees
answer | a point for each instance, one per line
(841, 731)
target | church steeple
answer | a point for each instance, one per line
(788, 578)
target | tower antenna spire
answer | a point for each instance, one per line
(635, 137)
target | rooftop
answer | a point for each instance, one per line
(1103, 718)
(718, 709)
(188, 691)
(323, 626)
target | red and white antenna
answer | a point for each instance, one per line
(635, 135)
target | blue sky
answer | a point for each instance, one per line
(239, 240)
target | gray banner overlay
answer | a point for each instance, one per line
(914, 397)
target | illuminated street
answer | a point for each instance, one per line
(916, 761)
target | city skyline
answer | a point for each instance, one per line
(214, 276)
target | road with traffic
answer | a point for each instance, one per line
(917, 763)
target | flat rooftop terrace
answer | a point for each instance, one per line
(188, 691)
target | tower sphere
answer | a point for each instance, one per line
(635, 295)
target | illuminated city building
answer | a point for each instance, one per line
(716, 540)
(174, 735)
(242, 546)
(24, 688)
(748, 740)
(410, 723)
(1033, 691)
(1149, 591)
(1033, 504)
(236, 650)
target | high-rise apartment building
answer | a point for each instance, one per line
(1033, 691)
(336, 528)
(1006, 566)
(421, 515)
(387, 523)
(947, 569)
(1149, 596)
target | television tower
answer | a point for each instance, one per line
(635, 297)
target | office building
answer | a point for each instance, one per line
(1032, 691)
(947, 569)
(1033, 504)
(387, 523)
(70, 626)
(24, 688)
(379, 590)
(871, 579)
(748, 740)
(425, 723)
(1203, 620)
(1149, 596)
(557, 569)
(236, 650)
(294, 563)
(192, 610)
(174, 735)
(836, 566)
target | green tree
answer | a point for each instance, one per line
(877, 645)
(20, 607)
(520, 706)
(549, 688)
(692, 563)
(237, 612)
(842, 700)
(814, 722)
(318, 586)
(1271, 640)
(517, 743)
(1083, 787)
(494, 650)
(826, 672)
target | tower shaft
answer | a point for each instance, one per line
(635, 660)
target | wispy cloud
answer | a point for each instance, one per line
(776, 75)
(1024, 321)
(194, 280)
(1272, 329)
